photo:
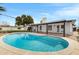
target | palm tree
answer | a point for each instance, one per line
(2, 8)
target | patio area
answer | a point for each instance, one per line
(72, 49)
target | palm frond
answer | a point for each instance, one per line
(2, 8)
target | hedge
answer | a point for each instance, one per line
(10, 31)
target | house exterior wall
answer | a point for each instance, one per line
(68, 28)
(54, 28)
(43, 28)
(34, 28)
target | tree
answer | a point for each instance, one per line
(24, 20)
(23, 17)
(27, 19)
(18, 20)
(2, 8)
(30, 19)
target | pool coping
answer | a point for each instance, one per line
(67, 51)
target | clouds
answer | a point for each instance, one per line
(53, 11)
(65, 12)
(70, 12)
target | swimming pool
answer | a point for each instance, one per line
(32, 42)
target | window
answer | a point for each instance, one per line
(49, 27)
(62, 26)
(40, 27)
(58, 28)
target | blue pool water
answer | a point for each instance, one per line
(35, 42)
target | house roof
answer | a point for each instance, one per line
(61, 21)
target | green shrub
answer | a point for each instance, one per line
(19, 27)
(10, 31)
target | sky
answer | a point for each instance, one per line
(52, 11)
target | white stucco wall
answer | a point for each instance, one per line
(54, 28)
(13, 28)
(8, 28)
(43, 28)
(34, 28)
(68, 28)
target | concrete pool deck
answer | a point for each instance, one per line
(72, 49)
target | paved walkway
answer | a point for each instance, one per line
(4, 51)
